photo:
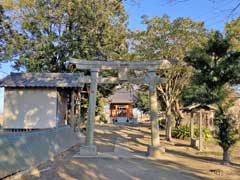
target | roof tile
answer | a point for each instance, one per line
(42, 80)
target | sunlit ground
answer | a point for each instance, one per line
(180, 162)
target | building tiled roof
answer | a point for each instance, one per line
(42, 80)
(122, 96)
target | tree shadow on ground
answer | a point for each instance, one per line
(99, 168)
(198, 157)
(127, 134)
(182, 145)
(121, 169)
(235, 164)
(201, 158)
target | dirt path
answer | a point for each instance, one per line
(127, 146)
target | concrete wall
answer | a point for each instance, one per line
(21, 151)
(30, 108)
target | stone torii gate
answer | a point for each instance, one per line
(149, 77)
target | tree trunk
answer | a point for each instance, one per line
(178, 113)
(226, 157)
(168, 125)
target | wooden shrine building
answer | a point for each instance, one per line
(201, 114)
(121, 106)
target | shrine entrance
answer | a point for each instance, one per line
(136, 72)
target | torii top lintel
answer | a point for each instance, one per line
(118, 65)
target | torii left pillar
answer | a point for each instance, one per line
(154, 149)
(89, 148)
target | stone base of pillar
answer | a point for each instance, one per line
(155, 152)
(88, 150)
(194, 143)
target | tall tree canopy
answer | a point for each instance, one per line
(6, 34)
(233, 33)
(166, 39)
(216, 66)
(52, 31)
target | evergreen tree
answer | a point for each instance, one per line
(216, 68)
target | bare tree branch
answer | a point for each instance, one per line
(232, 9)
(235, 8)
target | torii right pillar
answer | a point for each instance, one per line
(154, 149)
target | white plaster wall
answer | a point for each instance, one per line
(30, 108)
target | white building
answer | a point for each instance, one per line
(39, 100)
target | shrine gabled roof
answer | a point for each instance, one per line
(196, 107)
(42, 80)
(122, 96)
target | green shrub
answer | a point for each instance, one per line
(205, 132)
(183, 132)
(103, 119)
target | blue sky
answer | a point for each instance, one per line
(213, 14)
